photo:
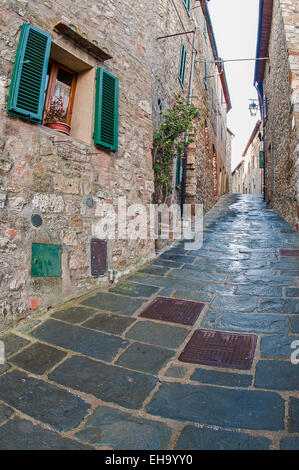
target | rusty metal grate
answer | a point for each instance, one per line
(173, 310)
(289, 252)
(220, 349)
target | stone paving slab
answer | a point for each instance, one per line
(252, 289)
(190, 295)
(292, 292)
(246, 322)
(277, 375)
(145, 358)
(153, 269)
(277, 346)
(80, 340)
(177, 372)
(4, 368)
(294, 321)
(289, 443)
(75, 315)
(20, 434)
(167, 263)
(114, 303)
(229, 303)
(109, 383)
(293, 422)
(13, 344)
(165, 282)
(207, 376)
(122, 431)
(195, 438)
(263, 281)
(289, 306)
(38, 358)
(196, 275)
(197, 267)
(158, 334)
(5, 413)
(42, 401)
(134, 290)
(109, 323)
(244, 409)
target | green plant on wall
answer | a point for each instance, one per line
(170, 141)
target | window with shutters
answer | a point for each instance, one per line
(182, 66)
(45, 74)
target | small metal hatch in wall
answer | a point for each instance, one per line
(98, 252)
(46, 260)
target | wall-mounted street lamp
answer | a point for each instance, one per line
(253, 107)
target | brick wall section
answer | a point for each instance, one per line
(41, 174)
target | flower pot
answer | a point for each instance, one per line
(59, 126)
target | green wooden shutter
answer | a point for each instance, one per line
(28, 83)
(106, 110)
(187, 5)
(182, 67)
(178, 170)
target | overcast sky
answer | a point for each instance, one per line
(235, 24)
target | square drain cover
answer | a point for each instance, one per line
(173, 310)
(288, 252)
(220, 349)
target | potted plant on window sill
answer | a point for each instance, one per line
(56, 116)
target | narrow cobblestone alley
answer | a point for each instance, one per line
(96, 374)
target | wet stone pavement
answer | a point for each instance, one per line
(97, 374)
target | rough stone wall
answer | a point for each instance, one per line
(171, 17)
(51, 174)
(281, 166)
(40, 175)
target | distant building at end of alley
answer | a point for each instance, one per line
(248, 176)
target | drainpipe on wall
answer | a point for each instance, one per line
(185, 157)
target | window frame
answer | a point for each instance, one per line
(55, 66)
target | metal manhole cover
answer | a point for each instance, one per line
(288, 252)
(220, 349)
(173, 310)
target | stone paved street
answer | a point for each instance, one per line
(94, 374)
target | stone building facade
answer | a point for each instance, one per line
(238, 178)
(277, 83)
(230, 136)
(253, 163)
(52, 185)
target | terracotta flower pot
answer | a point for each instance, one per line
(59, 126)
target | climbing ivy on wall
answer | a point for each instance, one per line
(170, 141)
